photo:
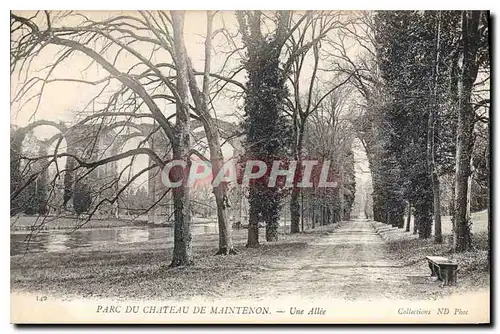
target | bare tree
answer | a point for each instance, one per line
(201, 99)
(302, 104)
(146, 86)
(329, 136)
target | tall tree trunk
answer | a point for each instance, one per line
(220, 192)
(323, 213)
(201, 99)
(294, 198)
(452, 207)
(182, 226)
(253, 219)
(225, 229)
(302, 210)
(415, 226)
(438, 235)
(470, 36)
(271, 230)
(423, 213)
(216, 157)
(152, 186)
(408, 217)
(309, 210)
(341, 194)
(237, 205)
(431, 146)
(378, 206)
(271, 216)
(181, 151)
(398, 213)
(313, 208)
(294, 211)
(238, 189)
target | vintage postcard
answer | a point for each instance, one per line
(250, 167)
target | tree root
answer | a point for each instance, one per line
(225, 251)
(180, 264)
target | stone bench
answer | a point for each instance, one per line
(443, 268)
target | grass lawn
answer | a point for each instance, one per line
(139, 270)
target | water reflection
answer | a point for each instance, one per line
(59, 241)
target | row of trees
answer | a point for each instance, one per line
(279, 114)
(426, 92)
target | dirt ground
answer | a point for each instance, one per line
(347, 261)
(351, 262)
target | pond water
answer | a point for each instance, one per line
(58, 241)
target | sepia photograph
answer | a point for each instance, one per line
(250, 167)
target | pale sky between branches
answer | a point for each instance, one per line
(61, 101)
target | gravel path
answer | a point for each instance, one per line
(350, 262)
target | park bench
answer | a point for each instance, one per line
(443, 268)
